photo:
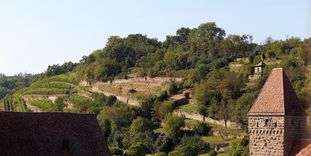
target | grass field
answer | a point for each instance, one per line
(189, 108)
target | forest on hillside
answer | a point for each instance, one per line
(215, 69)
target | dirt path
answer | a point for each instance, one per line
(196, 116)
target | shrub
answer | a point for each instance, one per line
(164, 144)
(172, 88)
(116, 150)
(81, 103)
(212, 153)
(137, 149)
(59, 104)
(163, 96)
(187, 95)
(159, 154)
(172, 125)
(164, 108)
(239, 147)
(201, 128)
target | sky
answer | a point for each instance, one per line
(38, 33)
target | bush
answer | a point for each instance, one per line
(116, 150)
(172, 88)
(239, 147)
(101, 100)
(164, 144)
(190, 146)
(163, 96)
(81, 103)
(59, 104)
(137, 149)
(201, 128)
(164, 108)
(212, 153)
(187, 95)
(159, 154)
(172, 125)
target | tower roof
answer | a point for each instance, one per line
(277, 97)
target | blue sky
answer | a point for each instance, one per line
(38, 33)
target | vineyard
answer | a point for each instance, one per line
(14, 104)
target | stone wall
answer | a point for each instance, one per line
(274, 135)
(266, 135)
(295, 127)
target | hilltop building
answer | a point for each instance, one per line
(276, 119)
(258, 69)
(57, 134)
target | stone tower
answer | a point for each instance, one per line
(276, 119)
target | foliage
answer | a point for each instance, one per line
(218, 94)
(141, 131)
(164, 108)
(172, 125)
(172, 88)
(239, 147)
(190, 146)
(201, 128)
(44, 104)
(59, 69)
(163, 96)
(81, 103)
(243, 105)
(137, 149)
(10, 83)
(100, 101)
(45, 91)
(59, 104)
(8, 104)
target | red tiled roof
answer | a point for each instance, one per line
(305, 151)
(34, 134)
(301, 148)
(277, 97)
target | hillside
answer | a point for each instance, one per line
(188, 94)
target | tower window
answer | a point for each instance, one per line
(275, 124)
(292, 122)
(266, 122)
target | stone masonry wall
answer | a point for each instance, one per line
(266, 135)
(295, 127)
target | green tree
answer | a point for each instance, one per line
(172, 125)
(239, 148)
(138, 129)
(205, 40)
